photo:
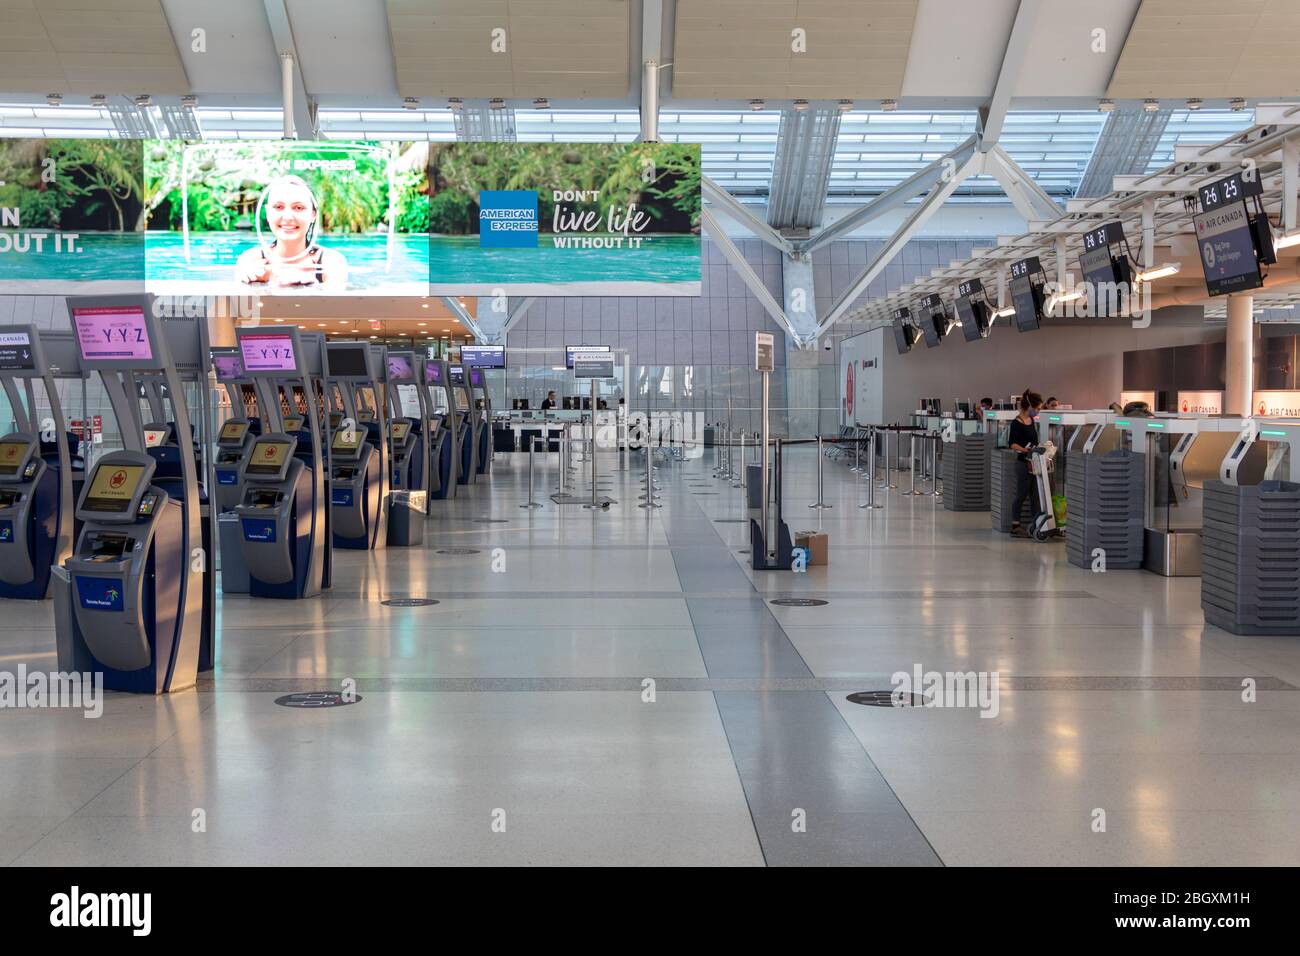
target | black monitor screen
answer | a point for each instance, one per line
(348, 360)
(974, 315)
(483, 356)
(457, 374)
(904, 337)
(935, 328)
(1027, 298)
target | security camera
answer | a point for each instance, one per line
(829, 344)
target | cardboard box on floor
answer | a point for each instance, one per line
(817, 544)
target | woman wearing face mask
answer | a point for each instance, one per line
(293, 259)
(1022, 438)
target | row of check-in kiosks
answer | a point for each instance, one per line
(1182, 452)
(324, 441)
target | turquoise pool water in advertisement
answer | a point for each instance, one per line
(213, 256)
(664, 259)
(103, 256)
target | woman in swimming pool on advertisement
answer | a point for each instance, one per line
(293, 259)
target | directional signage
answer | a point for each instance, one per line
(1233, 189)
(593, 364)
(1227, 249)
(16, 352)
(764, 352)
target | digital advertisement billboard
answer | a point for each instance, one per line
(564, 218)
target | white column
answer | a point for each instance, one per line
(1239, 376)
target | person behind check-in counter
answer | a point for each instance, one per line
(986, 404)
(549, 401)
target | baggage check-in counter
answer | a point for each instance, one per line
(1068, 430)
(1182, 453)
(359, 446)
(443, 429)
(481, 418)
(234, 442)
(463, 417)
(404, 445)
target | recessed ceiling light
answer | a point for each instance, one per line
(410, 103)
(889, 105)
(425, 305)
(496, 103)
(1237, 103)
(800, 105)
(1194, 103)
(189, 101)
(756, 105)
(320, 325)
(845, 105)
(54, 99)
(1150, 105)
(541, 103)
(455, 103)
(421, 324)
(144, 100)
(99, 100)
(1105, 106)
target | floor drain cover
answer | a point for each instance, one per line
(408, 602)
(799, 602)
(491, 520)
(458, 551)
(704, 492)
(317, 700)
(730, 520)
(885, 698)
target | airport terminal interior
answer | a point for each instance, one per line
(649, 432)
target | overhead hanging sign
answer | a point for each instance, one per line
(16, 352)
(593, 364)
(1227, 247)
(564, 218)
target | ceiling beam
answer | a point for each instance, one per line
(994, 115)
(743, 215)
(747, 273)
(652, 25)
(302, 105)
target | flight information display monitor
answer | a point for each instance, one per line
(112, 488)
(1106, 273)
(1227, 246)
(483, 356)
(347, 360)
(973, 310)
(1027, 293)
(936, 323)
(570, 349)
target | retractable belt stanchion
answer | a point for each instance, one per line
(821, 498)
(871, 469)
(912, 466)
(739, 476)
(649, 478)
(889, 482)
(532, 446)
(933, 441)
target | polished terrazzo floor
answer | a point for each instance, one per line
(520, 698)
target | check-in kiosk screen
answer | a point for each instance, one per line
(475, 377)
(462, 399)
(268, 352)
(112, 333)
(227, 366)
(347, 440)
(267, 458)
(154, 437)
(348, 361)
(433, 374)
(292, 425)
(12, 454)
(399, 369)
(233, 432)
(399, 431)
(113, 487)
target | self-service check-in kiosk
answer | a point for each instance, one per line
(284, 513)
(130, 599)
(36, 478)
(236, 435)
(463, 412)
(443, 432)
(481, 408)
(408, 423)
(359, 446)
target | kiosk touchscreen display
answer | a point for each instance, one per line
(399, 431)
(433, 374)
(154, 437)
(347, 440)
(475, 376)
(113, 487)
(112, 333)
(399, 369)
(12, 454)
(292, 424)
(227, 366)
(348, 361)
(462, 398)
(233, 432)
(267, 458)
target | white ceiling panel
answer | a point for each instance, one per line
(240, 56)
(88, 46)
(1210, 49)
(1063, 57)
(343, 46)
(957, 47)
(742, 49)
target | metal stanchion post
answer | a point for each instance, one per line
(740, 475)
(821, 502)
(649, 480)
(532, 445)
(889, 481)
(912, 466)
(564, 457)
(871, 471)
(935, 491)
